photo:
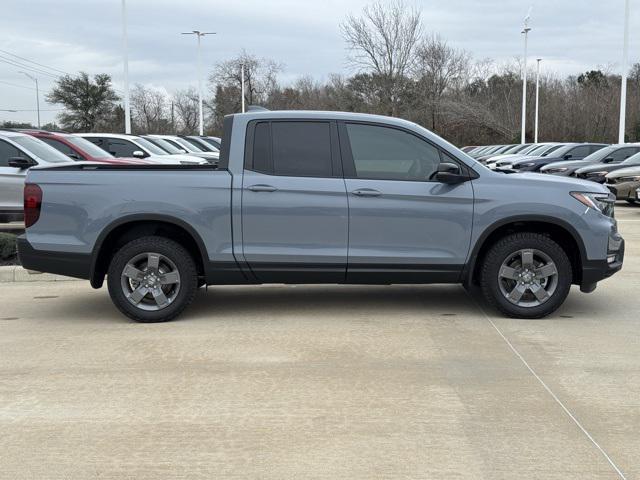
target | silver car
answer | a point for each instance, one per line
(19, 152)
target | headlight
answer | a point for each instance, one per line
(520, 165)
(556, 170)
(635, 178)
(602, 202)
(596, 174)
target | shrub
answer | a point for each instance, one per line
(8, 248)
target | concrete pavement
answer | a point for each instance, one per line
(331, 382)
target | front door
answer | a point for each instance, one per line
(294, 203)
(404, 227)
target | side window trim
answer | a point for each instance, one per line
(348, 163)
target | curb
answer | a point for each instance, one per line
(15, 273)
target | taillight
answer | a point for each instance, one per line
(32, 204)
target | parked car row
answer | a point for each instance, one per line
(617, 166)
(21, 149)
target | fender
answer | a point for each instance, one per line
(467, 273)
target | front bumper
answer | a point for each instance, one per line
(595, 270)
(624, 191)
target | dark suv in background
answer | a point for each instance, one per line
(596, 167)
(571, 151)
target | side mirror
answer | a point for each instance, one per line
(21, 163)
(568, 156)
(73, 156)
(449, 173)
(139, 154)
(182, 150)
(608, 160)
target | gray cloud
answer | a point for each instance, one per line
(304, 35)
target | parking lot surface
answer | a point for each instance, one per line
(278, 382)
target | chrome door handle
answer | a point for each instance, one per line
(262, 188)
(366, 192)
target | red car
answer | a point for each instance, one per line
(79, 148)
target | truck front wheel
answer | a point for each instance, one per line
(152, 279)
(526, 275)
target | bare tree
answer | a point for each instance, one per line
(382, 41)
(185, 104)
(149, 109)
(260, 76)
(439, 68)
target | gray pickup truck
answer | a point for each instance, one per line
(320, 197)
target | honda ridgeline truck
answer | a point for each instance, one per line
(320, 197)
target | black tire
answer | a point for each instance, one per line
(631, 201)
(173, 251)
(506, 247)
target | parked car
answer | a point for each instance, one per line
(18, 153)
(571, 151)
(200, 143)
(522, 153)
(485, 150)
(501, 150)
(191, 149)
(503, 163)
(623, 183)
(120, 145)
(607, 160)
(78, 148)
(214, 141)
(320, 197)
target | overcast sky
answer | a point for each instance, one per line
(304, 35)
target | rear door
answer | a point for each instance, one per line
(404, 226)
(11, 179)
(294, 202)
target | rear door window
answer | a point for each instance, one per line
(8, 151)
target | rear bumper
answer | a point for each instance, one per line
(75, 265)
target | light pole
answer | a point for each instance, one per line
(125, 53)
(525, 31)
(625, 61)
(242, 84)
(199, 35)
(35, 79)
(535, 136)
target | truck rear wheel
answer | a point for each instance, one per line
(152, 279)
(526, 275)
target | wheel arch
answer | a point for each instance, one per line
(134, 226)
(558, 230)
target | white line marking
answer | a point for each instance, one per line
(553, 395)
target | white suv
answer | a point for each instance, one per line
(18, 153)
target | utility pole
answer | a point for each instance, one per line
(199, 35)
(35, 79)
(535, 136)
(525, 31)
(623, 87)
(125, 53)
(242, 84)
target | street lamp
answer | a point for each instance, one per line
(35, 79)
(242, 84)
(125, 53)
(525, 31)
(535, 136)
(199, 35)
(625, 61)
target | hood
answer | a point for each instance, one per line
(564, 164)
(624, 172)
(530, 160)
(600, 167)
(571, 184)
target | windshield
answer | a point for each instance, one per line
(91, 148)
(539, 149)
(216, 143)
(162, 143)
(517, 148)
(200, 143)
(187, 145)
(632, 160)
(601, 154)
(156, 150)
(530, 149)
(40, 149)
(561, 152)
(550, 149)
